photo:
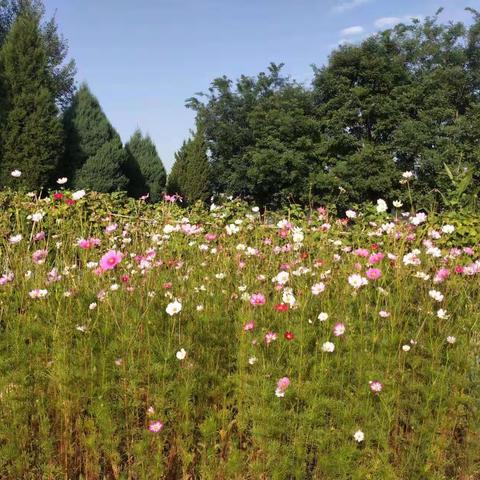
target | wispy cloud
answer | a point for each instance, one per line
(349, 5)
(387, 22)
(350, 31)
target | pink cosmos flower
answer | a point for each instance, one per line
(257, 299)
(270, 337)
(110, 260)
(375, 386)
(361, 252)
(339, 329)
(155, 426)
(318, 288)
(373, 273)
(39, 236)
(376, 258)
(39, 256)
(249, 326)
(384, 314)
(111, 228)
(282, 386)
(441, 275)
(210, 237)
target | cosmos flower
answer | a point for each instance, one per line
(79, 194)
(373, 273)
(375, 386)
(359, 436)
(110, 260)
(282, 386)
(318, 288)
(155, 426)
(181, 354)
(173, 308)
(357, 281)
(257, 299)
(62, 180)
(328, 347)
(339, 329)
(16, 173)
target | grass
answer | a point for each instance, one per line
(88, 369)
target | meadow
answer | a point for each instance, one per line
(149, 341)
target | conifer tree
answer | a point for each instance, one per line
(32, 138)
(190, 176)
(103, 171)
(144, 169)
(88, 132)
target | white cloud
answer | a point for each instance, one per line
(349, 5)
(387, 22)
(355, 30)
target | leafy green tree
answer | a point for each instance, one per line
(87, 130)
(32, 139)
(177, 173)
(144, 168)
(103, 171)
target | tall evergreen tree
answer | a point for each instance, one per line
(144, 169)
(87, 130)
(191, 175)
(32, 139)
(103, 171)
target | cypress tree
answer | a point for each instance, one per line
(103, 172)
(190, 176)
(177, 174)
(87, 131)
(144, 169)
(32, 139)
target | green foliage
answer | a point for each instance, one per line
(144, 168)
(191, 174)
(85, 369)
(32, 137)
(87, 131)
(103, 172)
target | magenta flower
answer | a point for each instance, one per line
(249, 325)
(270, 337)
(155, 426)
(338, 329)
(257, 299)
(282, 386)
(375, 386)
(373, 273)
(110, 260)
(376, 258)
(39, 256)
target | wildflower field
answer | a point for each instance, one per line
(142, 341)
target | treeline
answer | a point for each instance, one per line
(50, 129)
(404, 99)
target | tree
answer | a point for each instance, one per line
(103, 171)
(60, 73)
(87, 130)
(144, 168)
(191, 175)
(32, 139)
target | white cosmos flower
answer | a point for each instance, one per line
(442, 314)
(451, 339)
(16, 173)
(436, 295)
(62, 181)
(181, 354)
(15, 238)
(173, 307)
(351, 214)
(359, 436)
(381, 205)
(323, 316)
(78, 194)
(448, 229)
(281, 278)
(407, 175)
(397, 204)
(328, 347)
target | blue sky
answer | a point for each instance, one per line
(143, 58)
